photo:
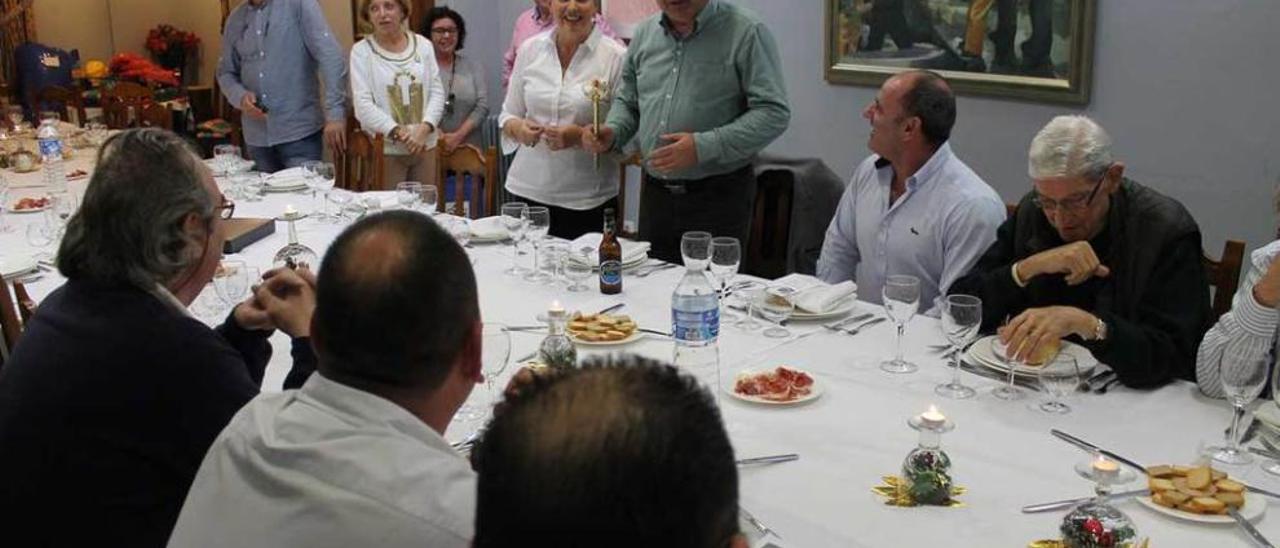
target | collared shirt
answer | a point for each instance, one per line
(936, 231)
(722, 82)
(541, 92)
(396, 88)
(1247, 319)
(274, 50)
(328, 466)
(529, 25)
(163, 294)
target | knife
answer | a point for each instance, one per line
(1058, 505)
(769, 460)
(1095, 449)
(613, 308)
(1249, 529)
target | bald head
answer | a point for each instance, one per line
(395, 302)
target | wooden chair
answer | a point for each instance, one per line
(360, 167)
(65, 101)
(1224, 275)
(766, 247)
(155, 115)
(630, 161)
(16, 308)
(482, 167)
(128, 92)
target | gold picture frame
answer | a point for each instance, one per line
(943, 35)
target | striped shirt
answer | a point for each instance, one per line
(1247, 319)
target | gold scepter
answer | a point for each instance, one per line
(597, 90)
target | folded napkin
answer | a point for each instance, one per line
(15, 265)
(632, 251)
(287, 178)
(815, 296)
(1269, 414)
(489, 228)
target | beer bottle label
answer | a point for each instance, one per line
(611, 272)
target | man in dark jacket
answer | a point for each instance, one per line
(1096, 257)
(115, 392)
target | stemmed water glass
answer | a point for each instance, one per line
(495, 349)
(513, 219)
(726, 255)
(224, 157)
(323, 179)
(537, 223)
(695, 249)
(1243, 368)
(341, 197)
(1059, 377)
(1008, 391)
(231, 282)
(62, 205)
(961, 319)
(40, 235)
(408, 194)
(901, 296)
(577, 269)
(747, 294)
(430, 199)
(553, 253)
(776, 304)
(16, 116)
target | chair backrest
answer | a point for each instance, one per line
(128, 92)
(1224, 275)
(627, 163)
(481, 166)
(155, 115)
(66, 101)
(770, 225)
(16, 308)
(360, 167)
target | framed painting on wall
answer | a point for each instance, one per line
(1035, 50)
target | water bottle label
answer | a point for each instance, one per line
(50, 147)
(695, 325)
(611, 272)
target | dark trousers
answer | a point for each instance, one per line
(287, 155)
(571, 223)
(1035, 51)
(888, 17)
(719, 204)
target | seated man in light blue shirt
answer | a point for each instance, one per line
(913, 207)
(271, 53)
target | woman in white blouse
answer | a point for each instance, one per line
(545, 110)
(395, 85)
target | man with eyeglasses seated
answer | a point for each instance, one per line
(115, 391)
(1099, 258)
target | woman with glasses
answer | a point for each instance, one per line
(544, 113)
(396, 88)
(466, 94)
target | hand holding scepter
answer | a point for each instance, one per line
(597, 90)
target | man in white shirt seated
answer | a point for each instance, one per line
(912, 207)
(356, 456)
(627, 453)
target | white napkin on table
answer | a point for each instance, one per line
(632, 251)
(294, 176)
(814, 295)
(489, 228)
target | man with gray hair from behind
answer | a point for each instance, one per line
(1098, 259)
(114, 391)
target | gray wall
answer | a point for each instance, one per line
(1182, 86)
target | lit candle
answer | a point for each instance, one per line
(1105, 469)
(289, 211)
(933, 418)
(556, 309)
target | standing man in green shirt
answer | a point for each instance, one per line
(701, 93)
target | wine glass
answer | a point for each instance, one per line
(776, 304)
(341, 198)
(552, 258)
(309, 168)
(323, 180)
(15, 115)
(41, 235)
(1243, 368)
(513, 219)
(63, 205)
(431, 199)
(1058, 378)
(537, 223)
(726, 255)
(231, 282)
(577, 268)
(495, 349)
(223, 157)
(961, 319)
(901, 295)
(695, 249)
(746, 295)
(408, 193)
(460, 229)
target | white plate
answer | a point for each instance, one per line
(843, 306)
(1255, 506)
(814, 392)
(11, 209)
(16, 265)
(983, 353)
(635, 336)
(274, 188)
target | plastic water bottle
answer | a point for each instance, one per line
(695, 325)
(50, 142)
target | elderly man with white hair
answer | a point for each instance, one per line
(1095, 257)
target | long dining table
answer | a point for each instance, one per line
(855, 433)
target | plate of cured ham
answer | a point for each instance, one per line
(779, 386)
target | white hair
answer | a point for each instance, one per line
(1070, 146)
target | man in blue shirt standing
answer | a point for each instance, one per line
(271, 50)
(913, 207)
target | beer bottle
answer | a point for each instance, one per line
(610, 257)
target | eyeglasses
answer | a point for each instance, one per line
(1074, 204)
(443, 31)
(226, 209)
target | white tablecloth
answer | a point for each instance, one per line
(856, 432)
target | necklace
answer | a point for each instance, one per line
(412, 51)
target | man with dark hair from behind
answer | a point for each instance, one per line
(912, 207)
(620, 453)
(356, 457)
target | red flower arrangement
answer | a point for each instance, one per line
(171, 45)
(133, 66)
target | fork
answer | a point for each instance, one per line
(858, 328)
(837, 325)
(650, 270)
(756, 523)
